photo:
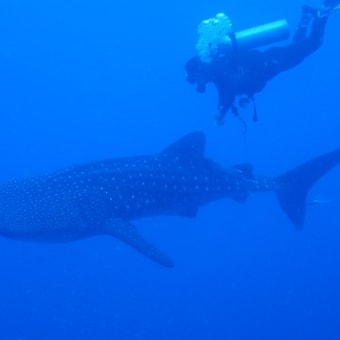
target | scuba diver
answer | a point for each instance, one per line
(231, 61)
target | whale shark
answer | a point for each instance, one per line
(106, 197)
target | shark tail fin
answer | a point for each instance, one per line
(293, 186)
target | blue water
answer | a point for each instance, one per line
(82, 81)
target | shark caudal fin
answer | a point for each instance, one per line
(293, 185)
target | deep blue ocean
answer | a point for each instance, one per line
(85, 81)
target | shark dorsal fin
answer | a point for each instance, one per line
(245, 169)
(187, 148)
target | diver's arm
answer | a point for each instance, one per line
(225, 102)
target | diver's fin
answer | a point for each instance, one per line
(293, 185)
(336, 8)
(127, 232)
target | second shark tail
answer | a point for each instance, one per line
(293, 186)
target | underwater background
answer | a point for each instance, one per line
(83, 81)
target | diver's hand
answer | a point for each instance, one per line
(219, 116)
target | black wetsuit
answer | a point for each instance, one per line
(246, 72)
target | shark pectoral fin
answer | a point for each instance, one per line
(127, 232)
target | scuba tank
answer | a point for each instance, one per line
(216, 35)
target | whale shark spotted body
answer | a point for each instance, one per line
(105, 197)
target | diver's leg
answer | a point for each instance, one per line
(307, 15)
(317, 33)
(282, 58)
(320, 21)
